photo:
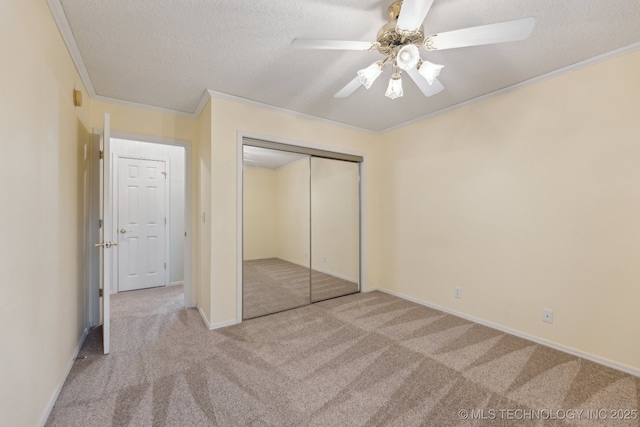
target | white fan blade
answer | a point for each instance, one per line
(412, 14)
(421, 82)
(501, 32)
(351, 87)
(331, 44)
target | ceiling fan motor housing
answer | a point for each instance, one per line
(390, 39)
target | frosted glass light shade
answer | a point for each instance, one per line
(370, 74)
(408, 57)
(395, 87)
(430, 71)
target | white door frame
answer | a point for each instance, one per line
(190, 299)
(239, 223)
(167, 211)
(106, 233)
(93, 232)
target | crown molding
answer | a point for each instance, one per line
(61, 21)
(204, 99)
(556, 73)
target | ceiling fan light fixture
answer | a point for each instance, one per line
(400, 40)
(395, 87)
(430, 71)
(408, 57)
(370, 74)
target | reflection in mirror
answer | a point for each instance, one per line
(335, 226)
(276, 231)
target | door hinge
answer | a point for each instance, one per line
(165, 265)
(101, 154)
(99, 223)
(100, 293)
(165, 220)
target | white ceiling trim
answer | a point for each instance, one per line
(566, 70)
(67, 35)
(228, 97)
(206, 96)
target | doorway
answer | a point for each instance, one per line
(149, 214)
(166, 162)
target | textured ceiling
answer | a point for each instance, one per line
(166, 53)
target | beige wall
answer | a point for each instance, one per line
(228, 118)
(142, 121)
(526, 201)
(260, 216)
(43, 203)
(292, 201)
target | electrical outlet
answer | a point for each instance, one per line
(306, 255)
(547, 315)
(324, 259)
(458, 292)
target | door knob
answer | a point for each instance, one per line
(106, 245)
(122, 230)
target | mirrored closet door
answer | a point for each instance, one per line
(335, 228)
(276, 231)
(301, 227)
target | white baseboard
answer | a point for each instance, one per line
(204, 318)
(212, 326)
(56, 393)
(566, 349)
(222, 325)
(176, 283)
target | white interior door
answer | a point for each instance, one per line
(107, 239)
(142, 224)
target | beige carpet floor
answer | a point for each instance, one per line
(272, 285)
(368, 359)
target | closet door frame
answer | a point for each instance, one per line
(317, 150)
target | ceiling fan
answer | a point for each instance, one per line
(399, 41)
